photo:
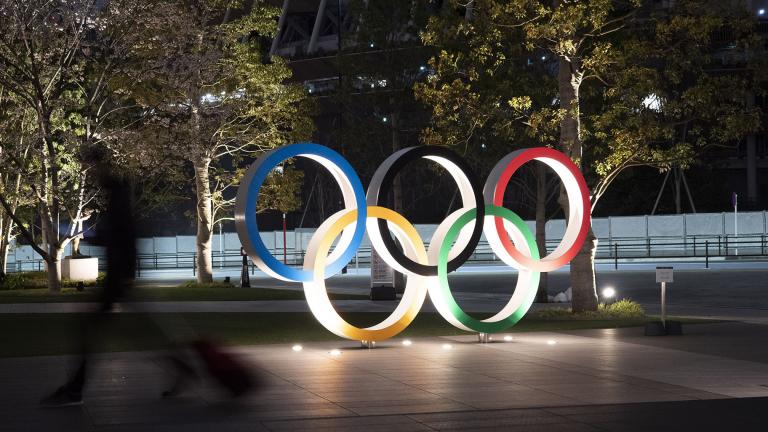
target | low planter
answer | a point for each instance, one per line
(84, 269)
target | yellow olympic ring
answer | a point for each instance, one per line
(317, 295)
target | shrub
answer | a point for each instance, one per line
(622, 309)
(211, 285)
(38, 280)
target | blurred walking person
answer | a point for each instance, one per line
(117, 233)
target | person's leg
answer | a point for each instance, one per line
(71, 393)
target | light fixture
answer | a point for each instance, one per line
(407, 342)
(652, 102)
(551, 342)
(422, 68)
(761, 12)
(609, 293)
(385, 119)
(507, 338)
(297, 348)
(335, 352)
(447, 346)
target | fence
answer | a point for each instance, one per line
(679, 236)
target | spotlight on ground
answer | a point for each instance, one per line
(407, 342)
(507, 338)
(551, 342)
(609, 293)
(335, 352)
(447, 346)
(297, 348)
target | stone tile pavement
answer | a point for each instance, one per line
(572, 381)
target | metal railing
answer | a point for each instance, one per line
(611, 250)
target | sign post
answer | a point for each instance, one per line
(664, 275)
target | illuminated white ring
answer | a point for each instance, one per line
(525, 289)
(578, 221)
(471, 197)
(317, 294)
(247, 198)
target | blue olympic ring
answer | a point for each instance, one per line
(248, 197)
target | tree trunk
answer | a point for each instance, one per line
(6, 225)
(583, 285)
(5, 246)
(76, 240)
(583, 276)
(54, 271)
(204, 221)
(541, 224)
(53, 258)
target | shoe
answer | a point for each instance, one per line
(62, 397)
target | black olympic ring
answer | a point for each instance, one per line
(381, 184)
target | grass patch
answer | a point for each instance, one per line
(181, 293)
(53, 334)
(207, 285)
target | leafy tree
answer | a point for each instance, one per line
(65, 64)
(281, 191)
(217, 100)
(677, 89)
(15, 147)
(483, 86)
(40, 49)
(605, 60)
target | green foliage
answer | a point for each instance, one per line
(281, 191)
(620, 310)
(37, 280)
(217, 101)
(676, 89)
(209, 285)
(496, 85)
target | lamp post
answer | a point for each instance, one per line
(285, 248)
(735, 202)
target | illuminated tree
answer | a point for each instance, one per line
(577, 76)
(217, 101)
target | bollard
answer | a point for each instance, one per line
(615, 256)
(706, 246)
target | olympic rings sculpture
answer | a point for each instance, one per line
(451, 245)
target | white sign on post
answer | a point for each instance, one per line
(381, 273)
(664, 274)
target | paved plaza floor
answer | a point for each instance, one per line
(713, 378)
